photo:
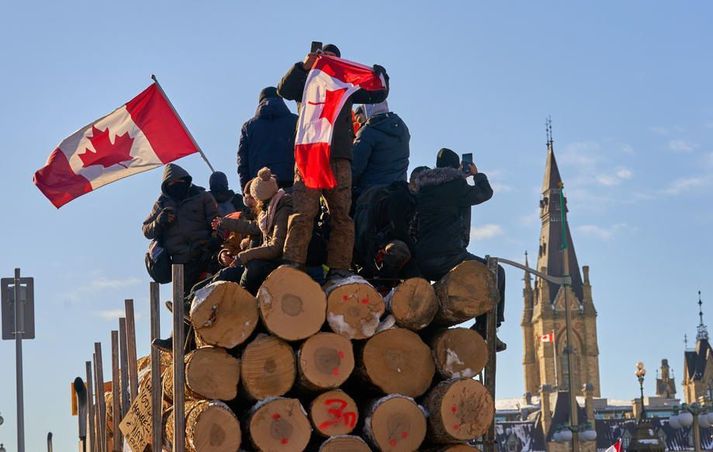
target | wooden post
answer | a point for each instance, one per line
(131, 349)
(115, 392)
(179, 383)
(99, 375)
(91, 434)
(156, 414)
(492, 318)
(123, 371)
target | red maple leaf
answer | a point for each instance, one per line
(332, 99)
(105, 152)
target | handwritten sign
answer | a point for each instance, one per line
(136, 425)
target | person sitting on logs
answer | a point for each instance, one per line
(383, 243)
(274, 208)
(443, 197)
(228, 201)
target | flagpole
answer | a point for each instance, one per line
(163, 93)
(554, 358)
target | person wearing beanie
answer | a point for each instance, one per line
(228, 202)
(381, 149)
(268, 140)
(442, 196)
(339, 199)
(274, 207)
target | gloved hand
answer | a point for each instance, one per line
(380, 70)
(166, 217)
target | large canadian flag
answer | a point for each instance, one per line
(142, 134)
(329, 84)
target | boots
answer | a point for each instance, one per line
(169, 306)
(500, 346)
(165, 345)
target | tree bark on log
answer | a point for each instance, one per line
(292, 305)
(466, 291)
(413, 303)
(334, 413)
(279, 424)
(325, 361)
(354, 308)
(212, 373)
(223, 314)
(459, 410)
(459, 353)
(344, 443)
(267, 367)
(398, 362)
(395, 423)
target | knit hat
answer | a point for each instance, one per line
(268, 92)
(447, 159)
(332, 48)
(218, 181)
(264, 186)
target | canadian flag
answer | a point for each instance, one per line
(329, 84)
(616, 447)
(549, 337)
(142, 134)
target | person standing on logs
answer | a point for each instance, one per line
(381, 149)
(443, 202)
(268, 140)
(274, 208)
(306, 200)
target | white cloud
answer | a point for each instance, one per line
(627, 149)
(686, 184)
(624, 173)
(614, 178)
(487, 231)
(601, 232)
(100, 284)
(110, 314)
(681, 145)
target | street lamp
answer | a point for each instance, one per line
(693, 415)
(640, 373)
(565, 433)
(2, 448)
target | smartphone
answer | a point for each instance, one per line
(316, 45)
(466, 161)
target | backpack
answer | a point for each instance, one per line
(158, 263)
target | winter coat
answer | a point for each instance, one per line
(441, 196)
(228, 202)
(273, 240)
(381, 152)
(187, 238)
(291, 87)
(268, 140)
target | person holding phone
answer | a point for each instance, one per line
(443, 202)
(338, 199)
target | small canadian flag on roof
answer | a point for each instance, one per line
(549, 337)
(142, 134)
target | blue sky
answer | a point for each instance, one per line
(628, 86)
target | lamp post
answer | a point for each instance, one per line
(640, 373)
(644, 438)
(693, 415)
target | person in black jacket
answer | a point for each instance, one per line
(228, 201)
(381, 149)
(306, 200)
(442, 196)
(268, 140)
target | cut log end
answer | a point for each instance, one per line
(325, 361)
(460, 410)
(346, 443)
(459, 353)
(212, 427)
(354, 309)
(396, 423)
(465, 292)
(398, 362)
(292, 305)
(267, 367)
(223, 314)
(413, 304)
(212, 373)
(280, 425)
(334, 413)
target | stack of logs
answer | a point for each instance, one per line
(336, 368)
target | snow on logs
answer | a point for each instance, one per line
(309, 368)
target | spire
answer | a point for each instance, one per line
(528, 280)
(702, 328)
(685, 342)
(555, 233)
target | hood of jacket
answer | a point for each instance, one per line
(436, 176)
(173, 171)
(390, 124)
(272, 107)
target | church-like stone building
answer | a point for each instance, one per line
(698, 365)
(543, 320)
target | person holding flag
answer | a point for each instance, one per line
(325, 87)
